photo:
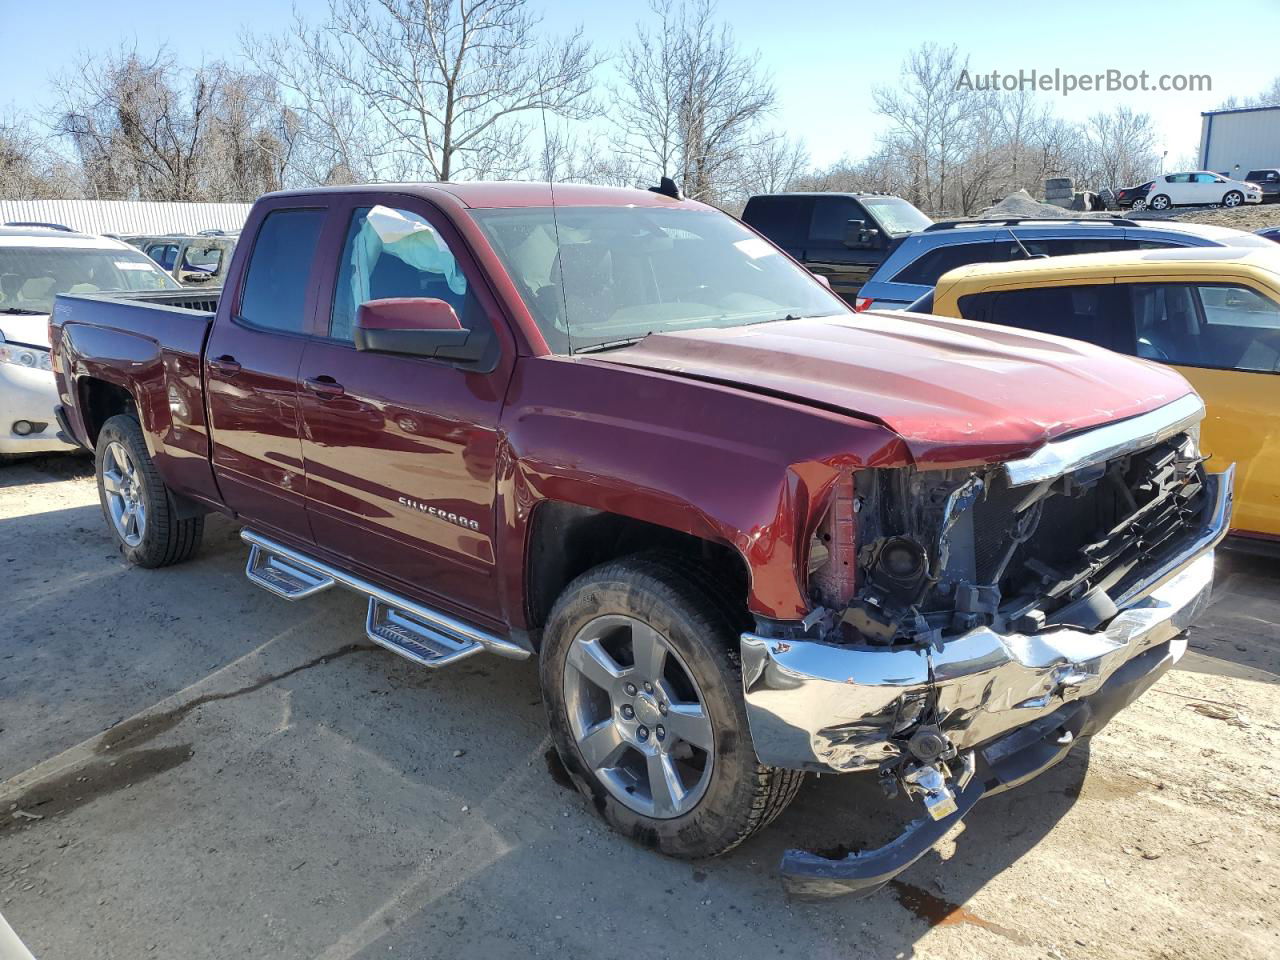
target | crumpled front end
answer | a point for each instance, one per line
(983, 603)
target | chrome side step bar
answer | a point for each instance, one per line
(419, 633)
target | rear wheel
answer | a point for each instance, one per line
(1159, 202)
(644, 697)
(140, 510)
(1233, 199)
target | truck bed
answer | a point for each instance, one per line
(144, 349)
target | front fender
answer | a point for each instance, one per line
(710, 461)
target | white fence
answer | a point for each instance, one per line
(127, 216)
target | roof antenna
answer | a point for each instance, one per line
(1025, 252)
(667, 187)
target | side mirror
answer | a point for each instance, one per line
(416, 327)
(856, 234)
(823, 279)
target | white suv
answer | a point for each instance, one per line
(1200, 188)
(36, 264)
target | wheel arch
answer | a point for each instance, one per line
(567, 539)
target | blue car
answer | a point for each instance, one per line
(915, 264)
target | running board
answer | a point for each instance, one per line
(403, 633)
(284, 576)
(423, 635)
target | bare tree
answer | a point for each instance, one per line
(30, 169)
(1117, 148)
(416, 88)
(771, 165)
(934, 119)
(147, 128)
(690, 103)
(134, 128)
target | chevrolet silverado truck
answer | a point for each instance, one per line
(746, 533)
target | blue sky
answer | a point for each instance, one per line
(825, 56)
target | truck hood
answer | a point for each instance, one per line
(31, 329)
(955, 391)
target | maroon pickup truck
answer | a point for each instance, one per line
(747, 533)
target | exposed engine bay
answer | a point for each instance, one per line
(938, 553)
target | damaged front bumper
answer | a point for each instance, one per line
(1011, 704)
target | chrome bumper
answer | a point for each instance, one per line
(824, 707)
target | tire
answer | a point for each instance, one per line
(158, 536)
(734, 795)
(1139, 204)
(1233, 199)
(1159, 202)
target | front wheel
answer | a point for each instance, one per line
(1233, 199)
(140, 510)
(644, 698)
(1159, 202)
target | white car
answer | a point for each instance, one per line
(1200, 188)
(36, 264)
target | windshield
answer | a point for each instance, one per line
(619, 273)
(30, 277)
(895, 215)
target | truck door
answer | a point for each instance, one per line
(401, 451)
(251, 371)
(827, 252)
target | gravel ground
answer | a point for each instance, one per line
(218, 773)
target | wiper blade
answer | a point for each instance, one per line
(610, 345)
(21, 310)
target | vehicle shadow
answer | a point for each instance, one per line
(1238, 635)
(45, 468)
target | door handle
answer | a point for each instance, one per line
(324, 386)
(225, 365)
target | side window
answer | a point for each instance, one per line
(1220, 326)
(394, 253)
(928, 268)
(830, 223)
(1065, 246)
(275, 289)
(163, 254)
(1092, 313)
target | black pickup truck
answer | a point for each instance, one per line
(840, 236)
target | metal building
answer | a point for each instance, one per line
(126, 217)
(1237, 141)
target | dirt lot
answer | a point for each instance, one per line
(219, 773)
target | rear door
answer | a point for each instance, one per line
(251, 370)
(1177, 187)
(401, 451)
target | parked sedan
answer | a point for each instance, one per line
(36, 264)
(1133, 196)
(1201, 188)
(1213, 315)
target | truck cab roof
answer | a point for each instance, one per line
(510, 194)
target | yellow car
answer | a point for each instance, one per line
(1212, 313)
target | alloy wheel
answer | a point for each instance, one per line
(126, 497)
(637, 716)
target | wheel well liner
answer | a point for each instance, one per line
(566, 540)
(99, 402)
